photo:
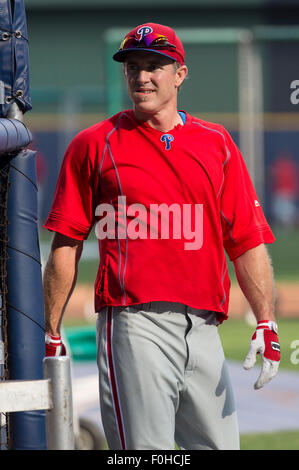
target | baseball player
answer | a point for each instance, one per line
(168, 194)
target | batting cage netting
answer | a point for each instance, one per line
(4, 171)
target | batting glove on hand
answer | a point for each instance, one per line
(264, 342)
(54, 346)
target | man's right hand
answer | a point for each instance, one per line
(59, 280)
(54, 346)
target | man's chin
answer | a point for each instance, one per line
(144, 107)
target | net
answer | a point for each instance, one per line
(4, 174)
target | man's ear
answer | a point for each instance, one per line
(124, 68)
(181, 74)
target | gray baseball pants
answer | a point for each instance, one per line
(163, 379)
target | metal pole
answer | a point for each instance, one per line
(251, 124)
(59, 420)
(257, 78)
(246, 104)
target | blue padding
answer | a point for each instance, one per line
(25, 308)
(14, 57)
(14, 135)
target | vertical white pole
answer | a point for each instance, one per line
(59, 420)
(251, 110)
(246, 108)
(257, 77)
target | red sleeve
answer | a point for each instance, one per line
(73, 207)
(243, 222)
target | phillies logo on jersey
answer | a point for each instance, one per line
(167, 139)
(144, 31)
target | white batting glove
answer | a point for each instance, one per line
(264, 342)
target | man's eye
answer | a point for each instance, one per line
(131, 68)
(135, 69)
(153, 67)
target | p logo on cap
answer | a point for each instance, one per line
(143, 31)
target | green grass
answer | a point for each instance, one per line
(284, 440)
(236, 333)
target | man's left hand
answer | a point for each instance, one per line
(264, 342)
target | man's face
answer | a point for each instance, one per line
(152, 81)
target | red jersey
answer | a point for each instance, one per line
(191, 183)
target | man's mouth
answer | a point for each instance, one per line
(140, 90)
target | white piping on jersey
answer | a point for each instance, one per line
(226, 149)
(121, 279)
(224, 163)
(222, 280)
(230, 225)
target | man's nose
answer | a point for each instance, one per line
(143, 76)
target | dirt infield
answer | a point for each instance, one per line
(81, 302)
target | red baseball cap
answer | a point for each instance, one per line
(152, 37)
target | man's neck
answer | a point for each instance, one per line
(161, 121)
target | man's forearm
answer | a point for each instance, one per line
(60, 278)
(255, 276)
